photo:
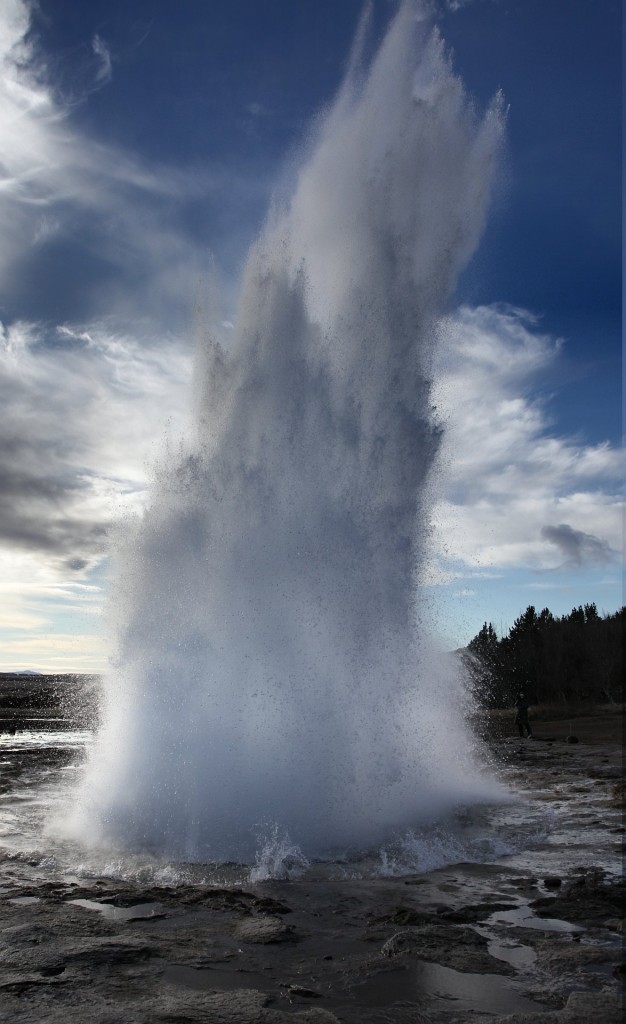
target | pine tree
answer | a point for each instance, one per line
(574, 657)
(483, 665)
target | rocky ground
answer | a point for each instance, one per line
(534, 940)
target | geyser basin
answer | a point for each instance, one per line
(273, 670)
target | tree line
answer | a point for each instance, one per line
(551, 659)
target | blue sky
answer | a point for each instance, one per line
(141, 142)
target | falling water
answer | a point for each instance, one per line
(273, 669)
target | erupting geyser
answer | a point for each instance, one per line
(272, 670)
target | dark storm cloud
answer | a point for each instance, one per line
(579, 549)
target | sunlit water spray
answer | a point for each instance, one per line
(274, 674)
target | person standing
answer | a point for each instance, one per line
(521, 716)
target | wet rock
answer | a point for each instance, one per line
(407, 916)
(617, 796)
(588, 898)
(238, 1007)
(125, 900)
(264, 929)
(574, 955)
(552, 882)
(312, 1016)
(460, 948)
(404, 916)
(18, 984)
(88, 954)
(268, 905)
(401, 943)
(581, 1008)
(163, 1006)
(300, 990)
(477, 912)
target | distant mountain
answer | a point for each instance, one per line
(26, 672)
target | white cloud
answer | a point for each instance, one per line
(85, 402)
(512, 494)
(85, 412)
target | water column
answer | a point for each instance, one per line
(272, 668)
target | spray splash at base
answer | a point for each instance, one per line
(274, 671)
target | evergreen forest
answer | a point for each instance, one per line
(550, 659)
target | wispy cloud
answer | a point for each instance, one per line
(118, 225)
(458, 5)
(105, 64)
